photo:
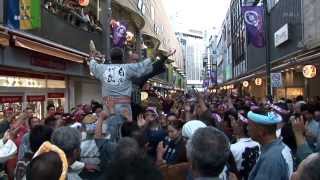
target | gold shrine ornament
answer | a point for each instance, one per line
(309, 71)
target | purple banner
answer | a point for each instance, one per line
(254, 20)
(213, 77)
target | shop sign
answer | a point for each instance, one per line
(55, 95)
(281, 36)
(36, 98)
(10, 99)
(276, 80)
(48, 63)
(309, 71)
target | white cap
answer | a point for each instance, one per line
(191, 127)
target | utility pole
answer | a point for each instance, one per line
(107, 30)
(268, 60)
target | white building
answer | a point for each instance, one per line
(193, 44)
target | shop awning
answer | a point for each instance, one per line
(10, 99)
(46, 49)
(36, 98)
(4, 38)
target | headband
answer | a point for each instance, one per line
(48, 147)
(271, 118)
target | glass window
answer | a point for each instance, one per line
(56, 84)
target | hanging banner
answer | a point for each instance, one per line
(276, 80)
(24, 14)
(254, 20)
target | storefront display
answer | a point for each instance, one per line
(57, 99)
(10, 102)
(36, 103)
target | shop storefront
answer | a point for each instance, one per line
(31, 90)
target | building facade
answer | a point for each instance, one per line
(47, 64)
(293, 43)
(193, 44)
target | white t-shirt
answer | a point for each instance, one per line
(245, 152)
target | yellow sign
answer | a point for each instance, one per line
(309, 71)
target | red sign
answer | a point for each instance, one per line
(55, 95)
(10, 99)
(36, 98)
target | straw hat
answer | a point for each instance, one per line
(89, 119)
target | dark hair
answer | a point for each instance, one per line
(29, 120)
(299, 98)
(95, 106)
(38, 135)
(116, 55)
(129, 163)
(311, 170)
(50, 106)
(176, 124)
(172, 114)
(50, 120)
(46, 166)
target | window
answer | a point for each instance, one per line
(56, 84)
(272, 4)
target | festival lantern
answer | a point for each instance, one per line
(144, 96)
(258, 81)
(245, 83)
(84, 3)
(309, 71)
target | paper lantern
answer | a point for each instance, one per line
(309, 71)
(144, 96)
(84, 2)
(258, 81)
(245, 83)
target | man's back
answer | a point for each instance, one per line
(275, 163)
(116, 79)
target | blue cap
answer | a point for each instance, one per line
(270, 119)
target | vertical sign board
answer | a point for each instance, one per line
(1, 11)
(276, 80)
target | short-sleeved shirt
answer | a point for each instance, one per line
(275, 163)
(246, 153)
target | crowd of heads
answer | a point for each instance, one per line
(186, 136)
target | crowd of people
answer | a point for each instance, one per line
(190, 136)
(196, 136)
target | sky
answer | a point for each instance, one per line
(199, 14)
